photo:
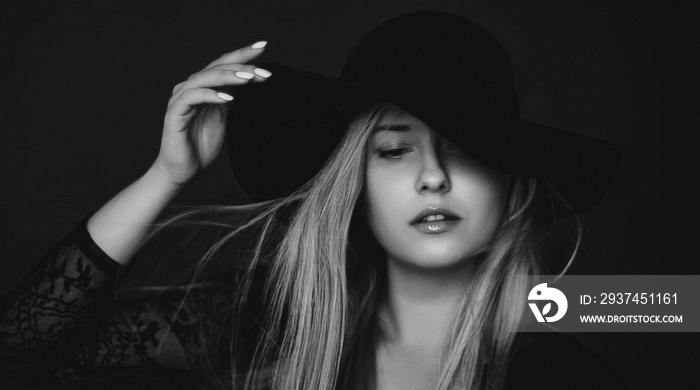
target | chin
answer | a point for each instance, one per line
(439, 258)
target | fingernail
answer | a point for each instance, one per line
(258, 45)
(244, 75)
(225, 96)
(262, 72)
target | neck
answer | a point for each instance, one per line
(421, 303)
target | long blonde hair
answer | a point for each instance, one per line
(325, 274)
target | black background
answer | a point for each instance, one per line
(85, 87)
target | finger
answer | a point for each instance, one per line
(220, 75)
(178, 87)
(259, 74)
(242, 55)
(182, 107)
(235, 74)
(250, 69)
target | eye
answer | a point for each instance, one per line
(395, 154)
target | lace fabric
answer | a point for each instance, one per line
(61, 325)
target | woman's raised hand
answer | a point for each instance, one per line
(195, 122)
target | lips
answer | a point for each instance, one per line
(433, 215)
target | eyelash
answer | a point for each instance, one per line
(387, 154)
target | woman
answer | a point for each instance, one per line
(387, 258)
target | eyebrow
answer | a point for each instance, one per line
(392, 127)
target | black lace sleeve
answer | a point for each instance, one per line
(61, 327)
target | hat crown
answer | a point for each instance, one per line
(445, 56)
(444, 70)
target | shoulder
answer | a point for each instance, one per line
(556, 361)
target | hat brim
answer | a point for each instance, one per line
(281, 132)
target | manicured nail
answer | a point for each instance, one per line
(258, 45)
(262, 72)
(244, 75)
(225, 96)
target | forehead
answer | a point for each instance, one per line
(394, 120)
(393, 114)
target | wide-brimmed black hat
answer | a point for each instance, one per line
(444, 70)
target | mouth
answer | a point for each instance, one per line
(433, 215)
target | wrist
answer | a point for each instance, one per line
(162, 181)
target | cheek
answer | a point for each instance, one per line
(485, 195)
(385, 199)
(391, 202)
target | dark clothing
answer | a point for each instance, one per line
(62, 327)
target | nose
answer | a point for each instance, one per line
(433, 177)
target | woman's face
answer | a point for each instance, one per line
(428, 204)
